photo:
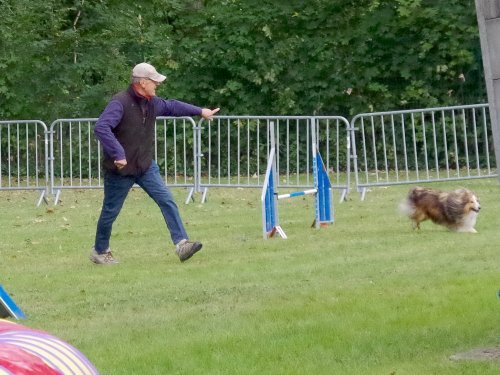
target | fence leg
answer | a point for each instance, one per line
(343, 195)
(190, 196)
(42, 198)
(363, 193)
(204, 195)
(56, 199)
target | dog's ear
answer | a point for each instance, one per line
(454, 207)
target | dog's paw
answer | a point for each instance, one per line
(467, 230)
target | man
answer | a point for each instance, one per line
(126, 132)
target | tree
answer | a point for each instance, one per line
(65, 58)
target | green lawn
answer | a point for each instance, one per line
(366, 295)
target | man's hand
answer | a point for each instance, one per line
(208, 114)
(120, 163)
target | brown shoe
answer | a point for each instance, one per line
(186, 249)
(104, 258)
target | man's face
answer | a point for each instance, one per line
(149, 86)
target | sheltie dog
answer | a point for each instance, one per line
(457, 210)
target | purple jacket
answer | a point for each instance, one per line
(108, 124)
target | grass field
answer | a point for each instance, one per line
(366, 295)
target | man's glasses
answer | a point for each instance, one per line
(156, 83)
(149, 79)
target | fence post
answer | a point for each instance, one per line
(488, 18)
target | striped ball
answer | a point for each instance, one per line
(32, 352)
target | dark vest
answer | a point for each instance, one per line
(135, 132)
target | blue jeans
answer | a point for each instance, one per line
(116, 189)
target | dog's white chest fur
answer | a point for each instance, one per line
(469, 222)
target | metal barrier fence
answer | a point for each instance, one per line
(24, 156)
(424, 145)
(75, 154)
(386, 148)
(234, 149)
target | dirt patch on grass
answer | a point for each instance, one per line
(482, 354)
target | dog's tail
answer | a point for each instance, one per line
(406, 207)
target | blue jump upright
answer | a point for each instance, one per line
(8, 307)
(269, 200)
(269, 196)
(323, 197)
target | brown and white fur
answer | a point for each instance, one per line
(457, 210)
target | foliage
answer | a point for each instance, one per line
(65, 58)
(332, 57)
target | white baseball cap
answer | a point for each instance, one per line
(145, 70)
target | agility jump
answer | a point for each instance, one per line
(269, 197)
